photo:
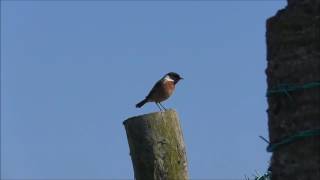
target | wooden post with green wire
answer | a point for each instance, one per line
(156, 145)
(293, 77)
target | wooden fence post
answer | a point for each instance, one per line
(156, 146)
(293, 75)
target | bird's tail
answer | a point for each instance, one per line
(140, 104)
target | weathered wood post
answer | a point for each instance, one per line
(293, 54)
(156, 146)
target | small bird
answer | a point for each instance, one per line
(162, 90)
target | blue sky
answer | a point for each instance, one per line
(72, 71)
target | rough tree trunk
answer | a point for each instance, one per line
(293, 54)
(156, 146)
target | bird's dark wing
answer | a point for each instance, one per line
(153, 90)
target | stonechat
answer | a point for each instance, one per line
(162, 90)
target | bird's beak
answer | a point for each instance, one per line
(181, 78)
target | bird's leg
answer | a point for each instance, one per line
(162, 106)
(161, 111)
(159, 106)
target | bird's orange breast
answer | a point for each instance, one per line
(169, 87)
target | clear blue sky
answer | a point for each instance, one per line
(73, 71)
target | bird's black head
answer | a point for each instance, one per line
(175, 76)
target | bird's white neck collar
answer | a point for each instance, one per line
(168, 78)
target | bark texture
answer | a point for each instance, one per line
(156, 146)
(293, 55)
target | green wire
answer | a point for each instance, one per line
(295, 137)
(266, 176)
(285, 88)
